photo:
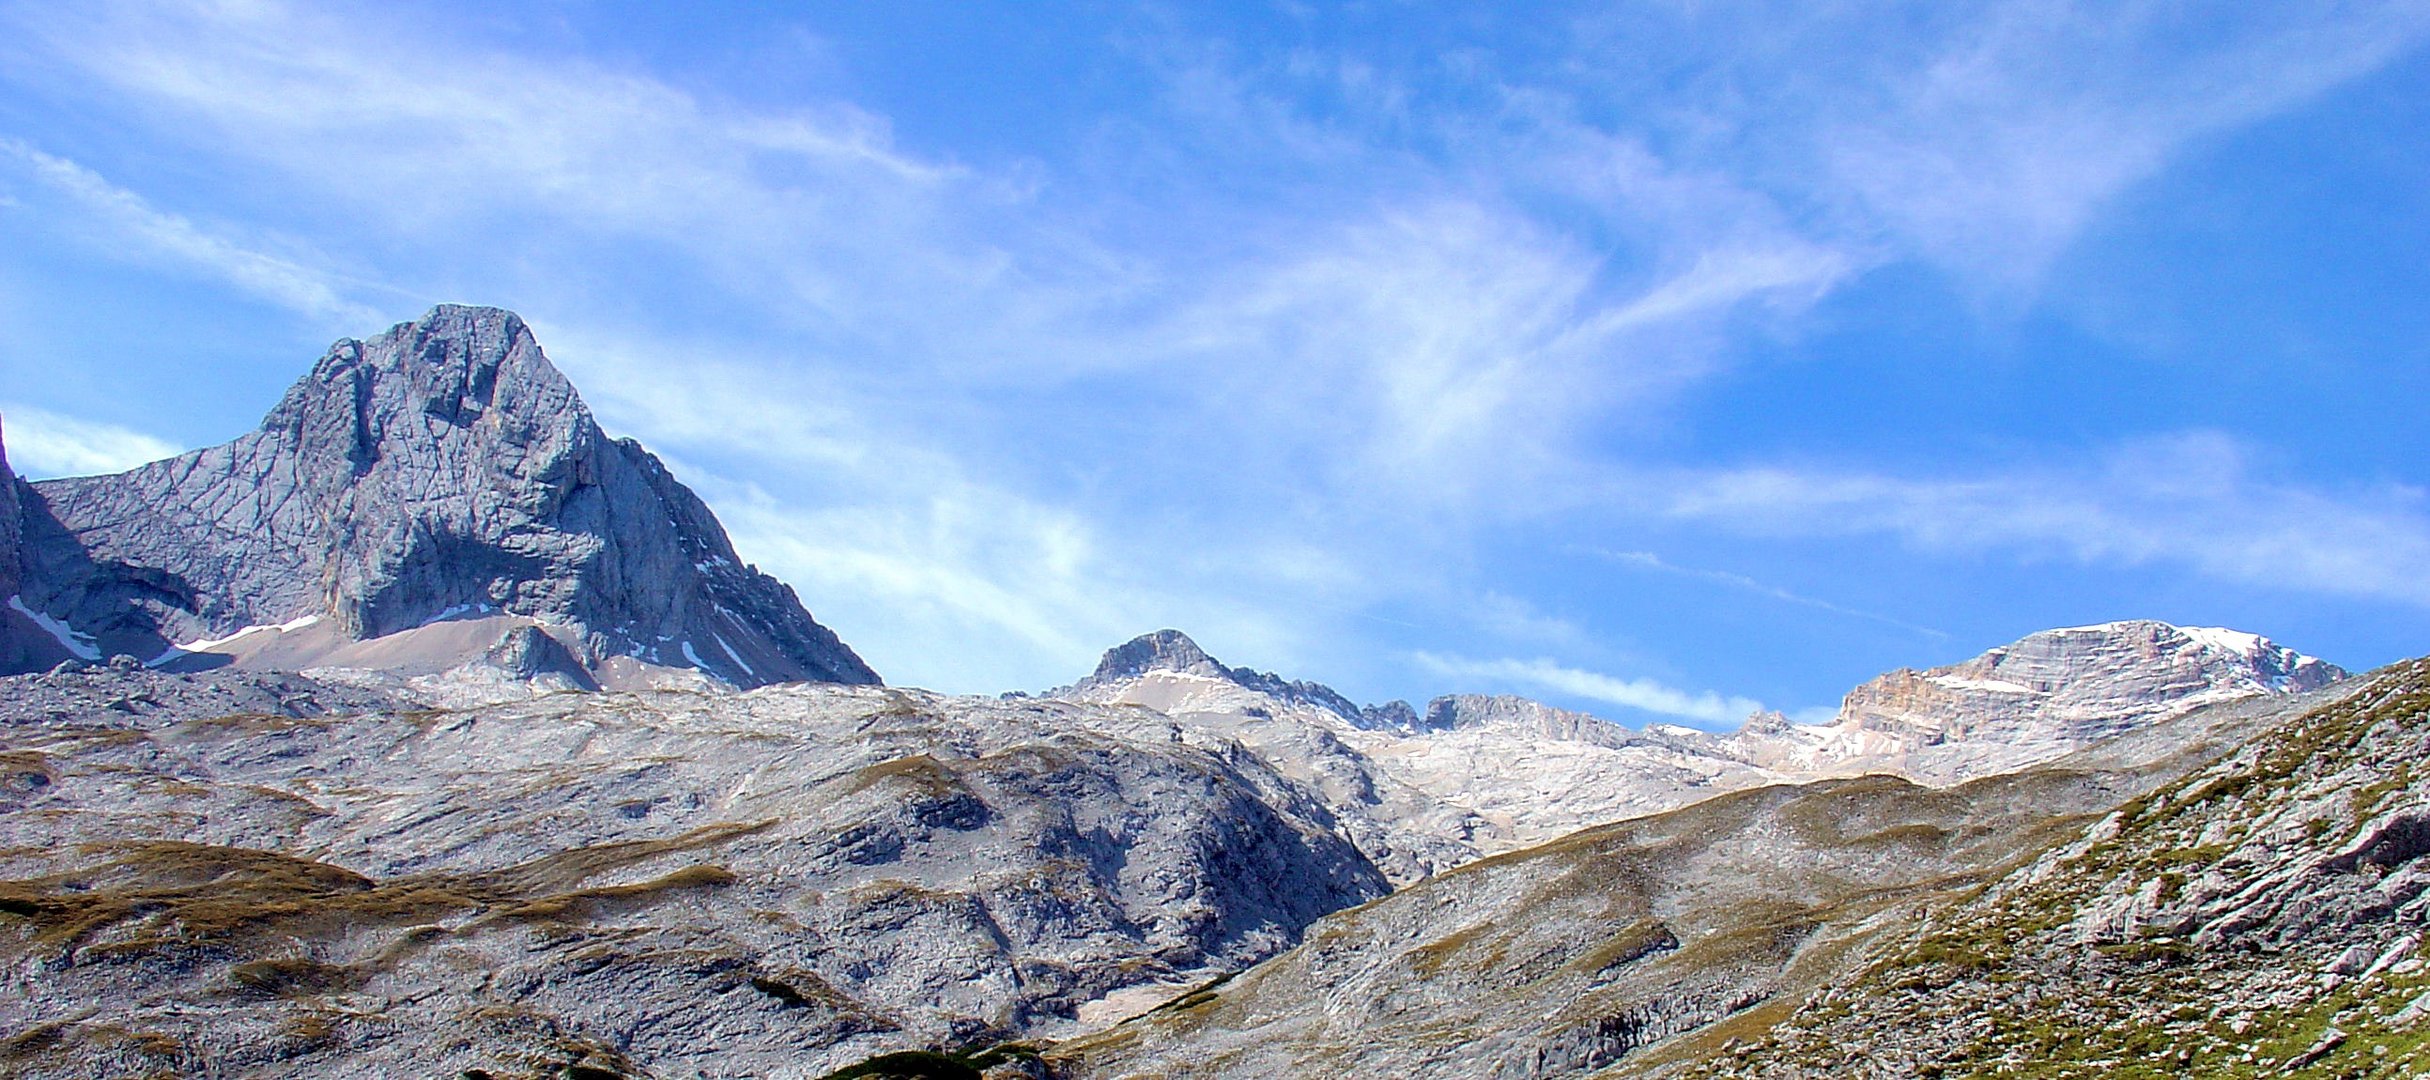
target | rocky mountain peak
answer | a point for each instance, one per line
(1770, 723)
(1163, 650)
(2049, 692)
(1172, 651)
(458, 374)
(2113, 674)
(443, 472)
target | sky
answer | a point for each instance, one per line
(1666, 360)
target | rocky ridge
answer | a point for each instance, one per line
(413, 501)
(2044, 695)
(2262, 916)
(1475, 775)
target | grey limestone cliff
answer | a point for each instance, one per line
(443, 471)
(24, 645)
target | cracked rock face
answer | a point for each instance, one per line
(443, 471)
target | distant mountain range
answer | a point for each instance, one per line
(1475, 775)
(403, 736)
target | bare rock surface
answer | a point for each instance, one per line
(443, 470)
(2046, 694)
(261, 874)
(1476, 774)
(2261, 916)
(1643, 947)
(362, 871)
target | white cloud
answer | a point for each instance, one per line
(528, 152)
(1643, 694)
(129, 224)
(1446, 353)
(2194, 500)
(1647, 560)
(973, 589)
(40, 443)
(1994, 152)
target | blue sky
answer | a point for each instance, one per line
(1661, 359)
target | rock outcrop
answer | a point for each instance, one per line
(442, 472)
(25, 643)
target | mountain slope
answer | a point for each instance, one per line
(255, 873)
(2260, 917)
(24, 646)
(442, 472)
(1633, 946)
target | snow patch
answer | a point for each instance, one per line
(207, 644)
(458, 611)
(82, 645)
(2220, 637)
(1995, 686)
(694, 657)
(737, 657)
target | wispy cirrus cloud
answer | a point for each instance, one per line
(1647, 695)
(1255, 358)
(41, 443)
(1647, 560)
(126, 224)
(1993, 153)
(2195, 500)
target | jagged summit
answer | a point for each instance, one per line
(1171, 651)
(1163, 650)
(428, 489)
